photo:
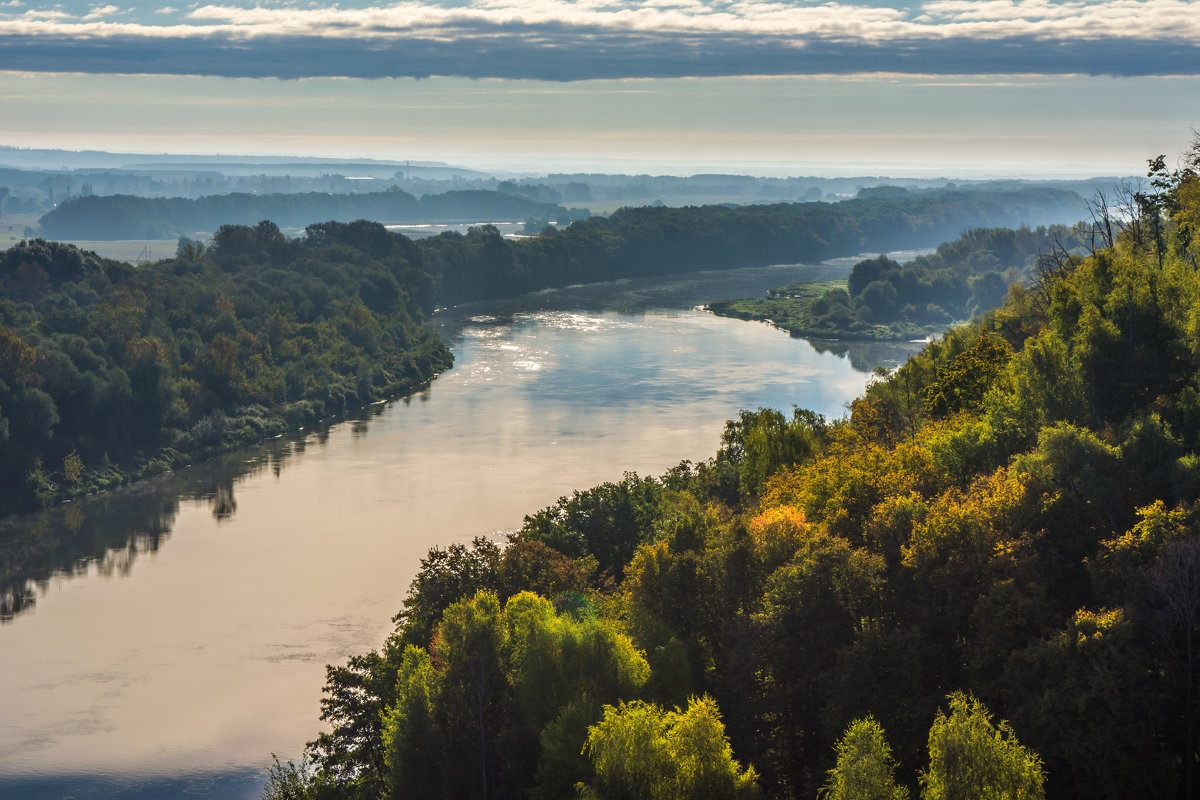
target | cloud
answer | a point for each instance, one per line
(99, 12)
(561, 40)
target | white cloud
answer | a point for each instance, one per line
(933, 20)
(1173, 19)
(99, 12)
(680, 37)
(45, 14)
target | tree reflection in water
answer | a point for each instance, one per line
(112, 530)
(865, 356)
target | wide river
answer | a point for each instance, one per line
(163, 640)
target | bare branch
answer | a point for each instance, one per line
(1101, 220)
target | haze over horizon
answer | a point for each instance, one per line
(959, 88)
(532, 166)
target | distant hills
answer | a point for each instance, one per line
(37, 180)
(63, 160)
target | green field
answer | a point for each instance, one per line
(794, 309)
(805, 290)
(12, 228)
(134, 251)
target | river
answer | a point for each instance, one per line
(163, 640)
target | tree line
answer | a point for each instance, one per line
(129, 217)
(883, 299)
(109, 372)
(980, 583)
(651, 240)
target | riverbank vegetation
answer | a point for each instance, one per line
(652, 241)
(109, 373)
(981, 583)
(883, 299)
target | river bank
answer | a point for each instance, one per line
(235, 581)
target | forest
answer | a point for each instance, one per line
(109, 372)
(883, 299)
(984, 582)
(653, 240)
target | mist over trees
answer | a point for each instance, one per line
(659, 240)
(130, 217)
(37, 180)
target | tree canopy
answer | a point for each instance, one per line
(108, 372)
(1028, 540)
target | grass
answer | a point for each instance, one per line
(12, 228)
(808, 290)
(134, 251)
(790, 308)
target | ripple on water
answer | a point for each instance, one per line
(574, 321)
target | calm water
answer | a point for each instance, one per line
(165, 639)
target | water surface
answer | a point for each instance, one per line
(163, 640)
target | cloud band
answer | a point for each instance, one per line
(562, 41)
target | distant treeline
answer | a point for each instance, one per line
(129, 217)
(36, 179)
(659, 240)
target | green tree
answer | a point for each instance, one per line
(470, 640)
(879, 301)
(447, 575)
(642, 751)
(351, 755)
(760, 443)
(965, 378)
(865, 769)
(409, 737)
(608, 521)
(291, 781)
(553, 658)
(628, 748)
(972, 759)
(1092, 701)
(703, 757)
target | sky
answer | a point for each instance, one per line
(795, 87)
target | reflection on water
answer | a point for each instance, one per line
(204, 656)
(106, 534)
(866, 356)
(420, 230)
(243, 784)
